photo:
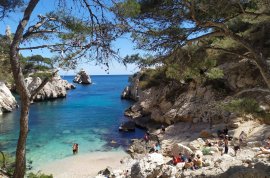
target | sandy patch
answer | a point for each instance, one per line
(83, 165)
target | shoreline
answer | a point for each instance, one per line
(83, 165)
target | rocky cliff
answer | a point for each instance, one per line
(190, 101)
(7, 100)
(55, 88)
(193, 113)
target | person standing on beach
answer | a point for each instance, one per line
(75, 148)
(226, 143)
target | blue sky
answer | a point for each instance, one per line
(124, 44)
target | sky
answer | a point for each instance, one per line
(125, 44)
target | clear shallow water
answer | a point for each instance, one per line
(89, 115)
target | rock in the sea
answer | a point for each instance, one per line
(82, 78)
(126, 94)
(7, 100)
(133, 91)
(55, 88)
(127, 126)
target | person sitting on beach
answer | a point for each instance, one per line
(267, 143)
(208, 143)
(175, 160)
(189, 164)
(182, 157)
(157, 147)
(75, 148)
(220, 142)
(263, 151)
(146, 137)
(198, 162)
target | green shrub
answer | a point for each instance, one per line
(38, 175)
(215, 73)
(9, 163)
(243, 106)
(152, 77)
(206, 151)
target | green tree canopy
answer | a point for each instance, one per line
(166, 26)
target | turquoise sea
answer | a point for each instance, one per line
(89, 115)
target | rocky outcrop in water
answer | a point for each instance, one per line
(7, 100)
(82, 78)
(55, 88)
(131, 92)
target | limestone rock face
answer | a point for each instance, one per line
(55, 88)
(82, 78)
(191, 102)
(132, 91)
(148, 167)
(7, 100)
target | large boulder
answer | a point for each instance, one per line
(148, 167)
(55, 88)
(7, 100)
(138, 146)
(82, 78)
(130, 93)
(180, 148)
(196, 144)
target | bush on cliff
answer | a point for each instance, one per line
(246, 106)
(152, 77)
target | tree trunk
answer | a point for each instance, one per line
(24, 93)
(20, 163)
(21, 145)
(264, 69)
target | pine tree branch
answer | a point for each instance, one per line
(230, 52)
(41, 46)
(31, 29)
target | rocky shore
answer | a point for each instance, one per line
(7, 100)
(55, 88)
(189, 140)
(193, 115)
